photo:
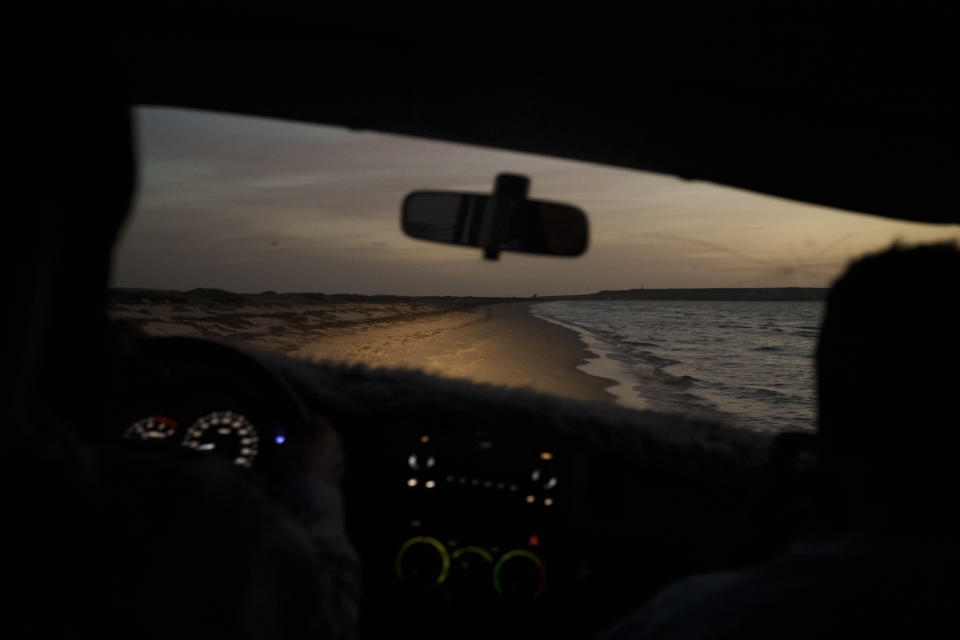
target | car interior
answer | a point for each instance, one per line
(475, 510)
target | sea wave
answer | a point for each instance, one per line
(704, 358)
(762, 392)
(641, 343)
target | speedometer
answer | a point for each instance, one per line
(226, 433)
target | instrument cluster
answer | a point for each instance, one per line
(213, 400)
(227, 434)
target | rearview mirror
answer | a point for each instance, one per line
(505, 221)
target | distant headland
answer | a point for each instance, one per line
(772, 294)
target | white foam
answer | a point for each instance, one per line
(602, 365)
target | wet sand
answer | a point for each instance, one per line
(500, 344)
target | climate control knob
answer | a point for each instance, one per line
(519, 575)
(422, 562)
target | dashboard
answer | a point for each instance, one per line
(472, 514)
(453, 521)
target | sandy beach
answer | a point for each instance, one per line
(496, 342)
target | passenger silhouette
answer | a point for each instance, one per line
(886, 386)
(884, 559)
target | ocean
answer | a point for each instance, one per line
(747, 363)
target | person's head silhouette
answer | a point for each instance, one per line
(887, 384)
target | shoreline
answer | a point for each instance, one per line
(602, 366)
(501, 343)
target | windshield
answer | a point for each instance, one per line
(235, 215)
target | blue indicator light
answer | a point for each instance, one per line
(279, 439)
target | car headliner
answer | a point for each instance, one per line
(806, 111)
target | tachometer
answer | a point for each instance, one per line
(226, 433)
(152, 428)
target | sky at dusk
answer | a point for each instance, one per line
(250, 204)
